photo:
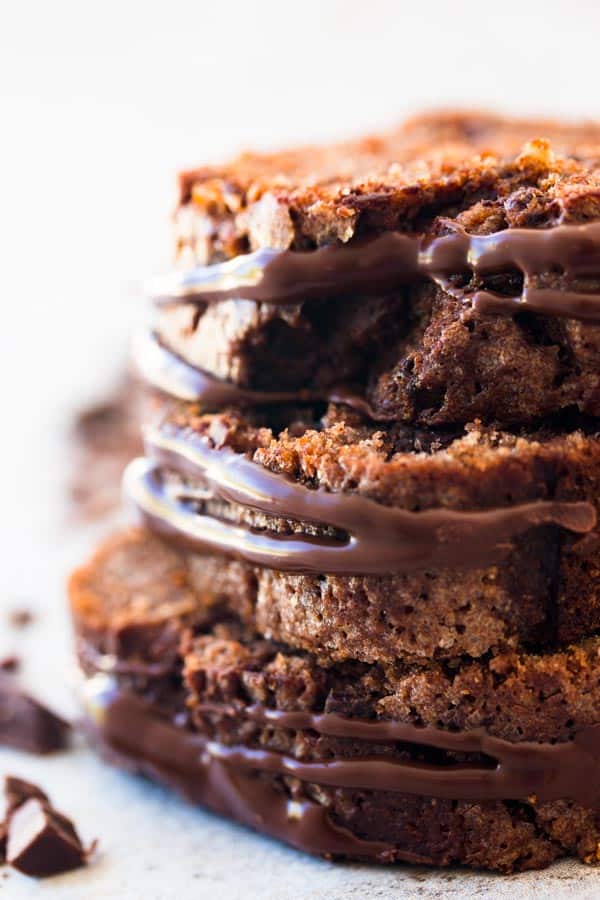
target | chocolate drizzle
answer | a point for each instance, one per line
(287, 277)
(224, 777)
(375, 539)
(567, 770)
(167, 372)
(142, 740)
(355, 535)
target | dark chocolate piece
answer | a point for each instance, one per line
(38, 842)
(17, 792)
(35, 838)
(27, 724)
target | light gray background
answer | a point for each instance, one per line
(100, 104)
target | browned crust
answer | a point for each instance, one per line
(534, 171)
(420, 354)
(471, 468)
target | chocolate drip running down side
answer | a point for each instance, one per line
(167, 372)
(568, 770)
(144, 742)
(224, 777)
(287, 277)
(379, 539)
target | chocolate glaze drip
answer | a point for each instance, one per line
(568, 304)
(570, 769)
(143, 741)
(523, 770)
(223, 777)
(378, 539)
(286, 277)
(167, 372)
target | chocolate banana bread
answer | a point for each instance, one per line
(362, 611)
(379, 762)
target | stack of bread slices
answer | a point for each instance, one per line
(361, 611)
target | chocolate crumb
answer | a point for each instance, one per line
(26, 724)
(20, 618)
(10, 663)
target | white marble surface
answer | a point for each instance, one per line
(99, 105)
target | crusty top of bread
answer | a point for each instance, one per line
(489, 172)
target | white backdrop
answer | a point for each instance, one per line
(100, 104)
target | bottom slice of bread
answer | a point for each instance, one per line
(492, 763)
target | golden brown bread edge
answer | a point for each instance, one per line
(500, 171)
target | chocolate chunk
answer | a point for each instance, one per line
(35, 838)
(41, 842)
(26, 724)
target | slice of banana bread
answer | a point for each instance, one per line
(448, 270)
(339, 539)
(493, 764)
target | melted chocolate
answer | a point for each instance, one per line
(570, 769)
(224, 777)
(142, 740)
(568, 304)
(167, 372)
(375, 539)
(287, 277)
